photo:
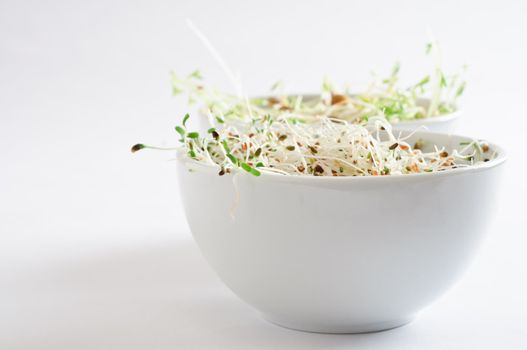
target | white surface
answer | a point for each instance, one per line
(94, 250)
(342, 254)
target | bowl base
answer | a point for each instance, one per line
(352, 328)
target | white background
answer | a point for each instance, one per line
(95, 252)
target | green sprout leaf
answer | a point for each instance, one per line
(214, 133)
(180, 131)
(177, 89)
(278, 85)
(185, 118)
(196, 75)
(226, 147)
(423, 81)
(443, 80)
(326, 86)
(193, 135)
(428, 48)
(233, 159)
(396, 68)
(250, 169)
(460, 89)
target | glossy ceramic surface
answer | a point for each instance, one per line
(341, 254)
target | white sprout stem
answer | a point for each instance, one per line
(234, 81)
(436, 94)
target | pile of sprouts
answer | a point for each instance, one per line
(434, 95)
(334, 134)
(326, 147)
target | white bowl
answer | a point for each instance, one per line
(445, 123)
(341, 254)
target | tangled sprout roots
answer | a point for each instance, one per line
(325, 147)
